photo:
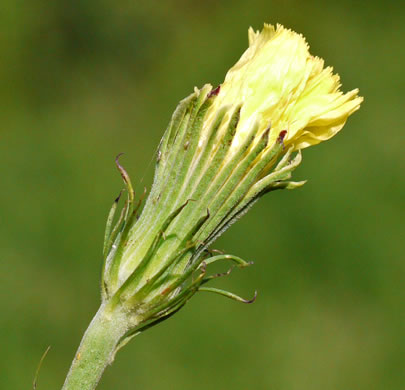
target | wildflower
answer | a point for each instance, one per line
(223, 149)
(278, 81)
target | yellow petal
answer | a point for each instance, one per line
(278, 81)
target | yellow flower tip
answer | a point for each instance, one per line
(278, 81)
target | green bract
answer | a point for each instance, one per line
(154, 264)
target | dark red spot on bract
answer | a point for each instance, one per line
(281, 136)
(215, 91)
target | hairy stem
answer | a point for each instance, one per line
(97, 349)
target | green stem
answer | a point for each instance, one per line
(97, 349)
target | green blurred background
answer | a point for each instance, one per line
(82, 81)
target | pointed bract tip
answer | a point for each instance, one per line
(281, 136)
(215, 91)
(119, 166)
(117, 199)
(251, 300)
(118, 157)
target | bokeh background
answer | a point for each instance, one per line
(81, 81)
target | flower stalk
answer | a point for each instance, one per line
(223, 149)
(97, 348)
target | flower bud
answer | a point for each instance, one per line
(224, 148)
(278, 81)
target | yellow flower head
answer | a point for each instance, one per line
(280, 84)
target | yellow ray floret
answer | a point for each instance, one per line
(279, 82)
